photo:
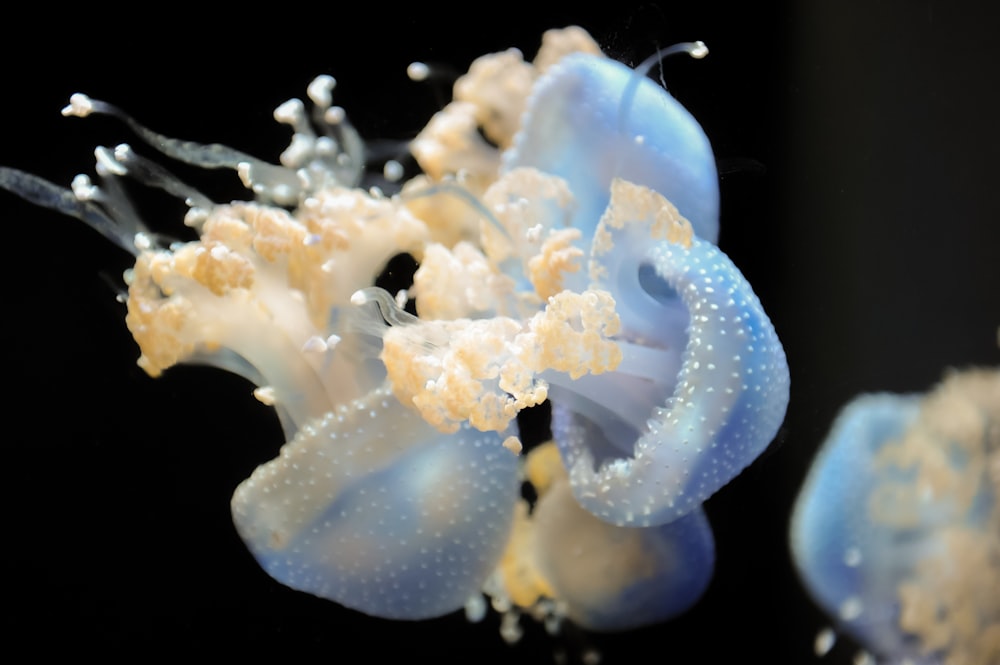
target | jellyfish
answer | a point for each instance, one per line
(896, 532)
(564, 223)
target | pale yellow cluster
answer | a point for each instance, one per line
(483, 338)
(634, 205)
(558, 43)
(531, 212)
(558, 256)
(157, 323)
(484, 371)
(500, 291)
(357, 234)
(161, 315)
(559, 551)
(248, 262)
(523, 224)
(525, 204)
(492, 95)
(573, 334)
(495, 90)
(951, 598)
(459, 282)
(521, 580)
(497, 85)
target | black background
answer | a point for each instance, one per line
(870, 235)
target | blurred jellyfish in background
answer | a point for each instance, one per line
(896, 532)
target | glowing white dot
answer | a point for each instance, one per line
(418, 71)
(864, 658)
(265, 395)
(475, 609)
(289, 112)
(393, 170)
(79, 105)
(513, 444)
(319, 90)
(825, 640)
(851, 608)
(335, 115)
(314, 344)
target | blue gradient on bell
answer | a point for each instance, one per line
(630, 577)
(350, 512)
(582, 125)
(896, 532)
(703, 385)
(700, 392)
(833, 538)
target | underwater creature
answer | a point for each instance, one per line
(896, 532)
(569, 256)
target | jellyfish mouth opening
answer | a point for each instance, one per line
(608, 414)
(610, 438)
(655, 286)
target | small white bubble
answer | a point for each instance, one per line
(825, 640)
(319, 90)
(864, 658)
(289, 112)
(314, 344)
(852, 557)
(265, 395)
(510, 628)
(142, 241)
(475, 608)
(393, 171)
(80, 105)
(513, 444)
(851, 609)
(418, 71)
(335, 115)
